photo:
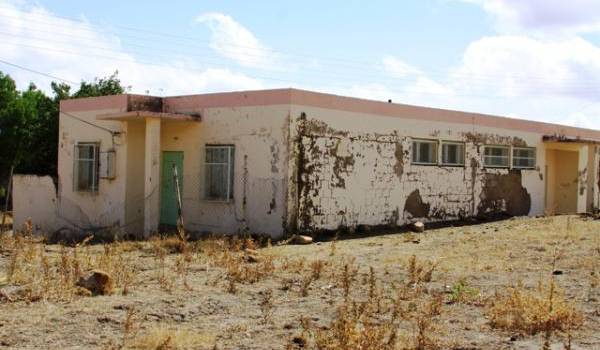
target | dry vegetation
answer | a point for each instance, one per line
(522, 283)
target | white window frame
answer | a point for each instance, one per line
(436, 152)
(533, 149)
(230, 165)
(95, 160)
(458, 143)
(508, 157)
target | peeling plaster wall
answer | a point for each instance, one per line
(259, 135)
(297, 167)
(86, 210)
(260, 167)
(355, 169)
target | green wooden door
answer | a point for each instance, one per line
(168, 193)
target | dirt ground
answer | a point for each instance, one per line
(210, 297)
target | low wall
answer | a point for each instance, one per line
(34, 197)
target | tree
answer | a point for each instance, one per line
(100, 87)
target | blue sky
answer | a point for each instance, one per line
(536, 59)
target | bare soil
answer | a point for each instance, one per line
(201, 299)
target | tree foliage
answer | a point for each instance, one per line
(29, 123)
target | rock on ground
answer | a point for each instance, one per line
(97, 282)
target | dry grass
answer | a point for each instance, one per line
(37, 275)
(387, 292)
(164, 338)
(532, 311)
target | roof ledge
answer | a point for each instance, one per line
(568, 139)
(141, 115)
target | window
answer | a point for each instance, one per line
(86, 167)
(496, 156)
(219, 172)
(453, 153)
(424, 152)
(523, 158)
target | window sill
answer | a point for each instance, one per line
(217, 201)
(453, 165)
(425, 164)
(92, 193)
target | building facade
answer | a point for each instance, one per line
(287, 160)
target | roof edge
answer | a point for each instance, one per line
(292, 96)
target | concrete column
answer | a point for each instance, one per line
(152, 176)
(582, 179)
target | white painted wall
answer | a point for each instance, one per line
(377, 183)
(259, 135)
(34, 197)
(369, 154)
(88, 210)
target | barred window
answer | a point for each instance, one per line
(496, 156)
(219, 172)
(523, 157)
(424, 152)
(85, 174)
(453, 153)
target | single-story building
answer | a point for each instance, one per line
(287, 160)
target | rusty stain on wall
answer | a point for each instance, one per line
(582, 181)
(342, 165)
(504, 193)
(144, 103)
(493, 139)
(415, 206)
(399, 165)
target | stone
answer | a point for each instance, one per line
(97, 282)
(67, 236)
(251, 251)
(418, 226)
(251, 258)
(300, 239)
(299, 341)
(4, 295)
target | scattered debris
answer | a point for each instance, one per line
(299, 341)
(418, 226)
(97, 282)
(5, 296)
(300, 239)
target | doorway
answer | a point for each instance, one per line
(168, 193)
(562, 177)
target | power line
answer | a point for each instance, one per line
(112, 132)
(337, 75)
(188, 69)
(354, 63)
(37, 72)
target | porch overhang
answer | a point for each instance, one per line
(568, 139)
(141, 115)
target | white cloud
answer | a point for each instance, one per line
(233, 40)
(524, 66)
(543, 15)
(77, 50)
(540, 78)
(399, 68)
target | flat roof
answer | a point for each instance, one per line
(288, 96)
